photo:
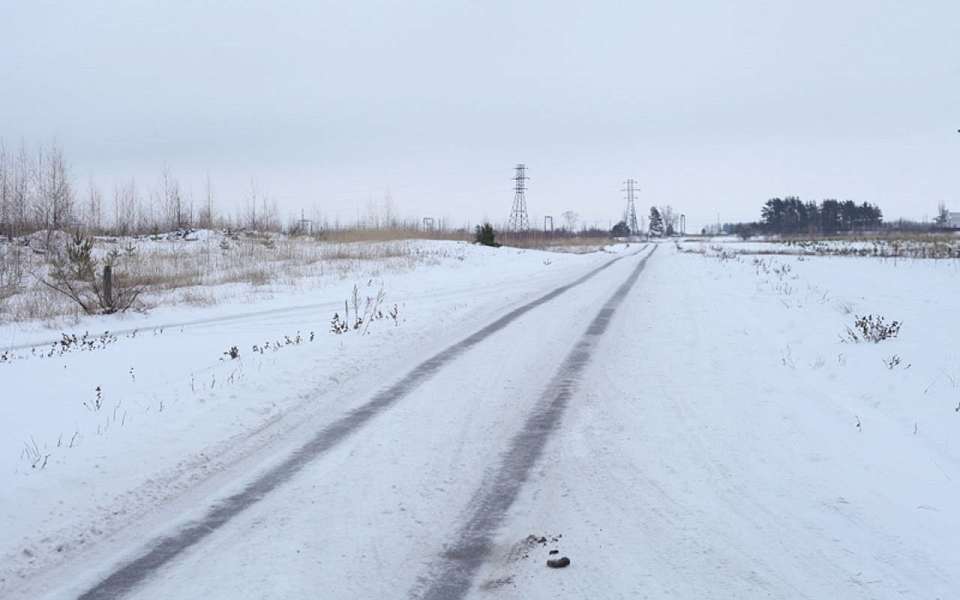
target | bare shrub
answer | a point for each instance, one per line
(872, 328)
(74, 273)
(371, 311)
(894, 361)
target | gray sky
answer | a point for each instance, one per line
(712, 106)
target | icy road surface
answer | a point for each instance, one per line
(697, 437)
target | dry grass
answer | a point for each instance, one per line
(536, 240)
(178, 270)
(197, 298)
(349, 236)
(39, 303)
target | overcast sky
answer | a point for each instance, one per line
(712, 106)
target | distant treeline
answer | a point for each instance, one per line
(791, 215)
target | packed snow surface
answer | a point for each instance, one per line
(721, 435)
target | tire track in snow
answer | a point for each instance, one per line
(161, 551)
(451, 574)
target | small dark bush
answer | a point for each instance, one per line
(872, 328)
(486, 236)
(620, 230)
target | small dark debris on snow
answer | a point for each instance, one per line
(552, 552)
(542, 540)
(558, 563)
(522, 549)
(494, 584)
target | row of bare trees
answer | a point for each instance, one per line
(37, 192)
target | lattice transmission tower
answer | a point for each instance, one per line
(630, 214)
(519, 220)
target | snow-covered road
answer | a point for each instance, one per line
(679, 426)
(454, 378)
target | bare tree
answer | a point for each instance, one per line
(61, 190)
(269, 214)
(21, 192)
(5, 193)
(125, 207)
(54, 206)
(372, 219)
(12, 259)
(670, 219)
(570, 219)
(389, 213)
(251, 216)
(173, 202)
(205, 217)
(148, 219)
(93, 213)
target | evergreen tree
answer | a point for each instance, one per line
(486, 236)
(656, 222)
(943, 215)
(620, 230)
(829, 216)
(791, 215)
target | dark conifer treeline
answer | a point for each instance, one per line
(791, 215)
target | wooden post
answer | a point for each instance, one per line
(108, 286)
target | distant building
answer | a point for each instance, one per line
(953, 220)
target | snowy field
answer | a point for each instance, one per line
(725, 439)
(940, 246)
(196, 268)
